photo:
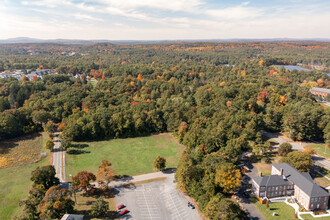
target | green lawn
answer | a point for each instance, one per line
(308, 217)
(320, 150)
(15, 183)
(131, 156)
(284, 211)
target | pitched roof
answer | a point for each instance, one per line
(303, 180)
(272, 180)
(316, 89)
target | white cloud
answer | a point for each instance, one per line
(86, 17)
(172, 5)
(235, 13)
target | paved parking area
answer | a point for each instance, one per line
(156, 200)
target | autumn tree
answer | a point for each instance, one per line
(300, 160)
(311, 151)
(56, 203)
(36, 194)
(228, 177)
(45, 176)
(99, 208)
(160, 163)
(139, 77)
(105, 173)
(284, 149)
(82, 180)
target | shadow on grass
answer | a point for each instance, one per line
(104, 193)
(77, 151)
(6, 145)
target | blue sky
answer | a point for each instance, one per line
(164, 19)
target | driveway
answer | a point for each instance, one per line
(245, 202)
(156, 200)
(297, 146)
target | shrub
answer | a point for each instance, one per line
(284, 149)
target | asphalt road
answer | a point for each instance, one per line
(254, 213)
(156, 200)
(59, 159)
(298, 146)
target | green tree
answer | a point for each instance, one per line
(45, 176)
(284, 149)
(160, 163)
(50, 144)
(99, 208)
(300, 160)
(222, 208)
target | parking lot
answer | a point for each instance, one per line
(156, 200)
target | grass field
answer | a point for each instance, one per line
(309, 216)
(320, 150)
(284, 211)
(131, 156)
(84, 204)
(15, 181)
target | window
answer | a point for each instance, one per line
(269, 188)
(275, 193)
(283, 187)
(312, 199)
(312, 205)
(276, 188)
(262, 194)
(273, 188)
(280, 187)
(262, 188)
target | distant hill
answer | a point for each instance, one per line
(17, 40)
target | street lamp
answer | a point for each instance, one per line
(74, 191)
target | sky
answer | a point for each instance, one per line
(164, 19)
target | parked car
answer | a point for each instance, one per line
(190, 205)
(123, 212)
(121, 206)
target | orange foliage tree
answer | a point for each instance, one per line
(139, 77)
(82, 179)
(105, 173)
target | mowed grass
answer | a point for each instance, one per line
(321, 150)
(309, 216)
(15, 182)
(283, 210)
(131, 156)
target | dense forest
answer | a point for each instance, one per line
(216, 98)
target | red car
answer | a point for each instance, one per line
(121, 206)
(123, 212)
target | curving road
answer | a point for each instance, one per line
(298, 146)
(59, 158)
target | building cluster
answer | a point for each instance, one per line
(285, 180)
(18, 74)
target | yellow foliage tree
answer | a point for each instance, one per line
(243, 72)
(261, 63)
(228, 177)
(283, 100)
